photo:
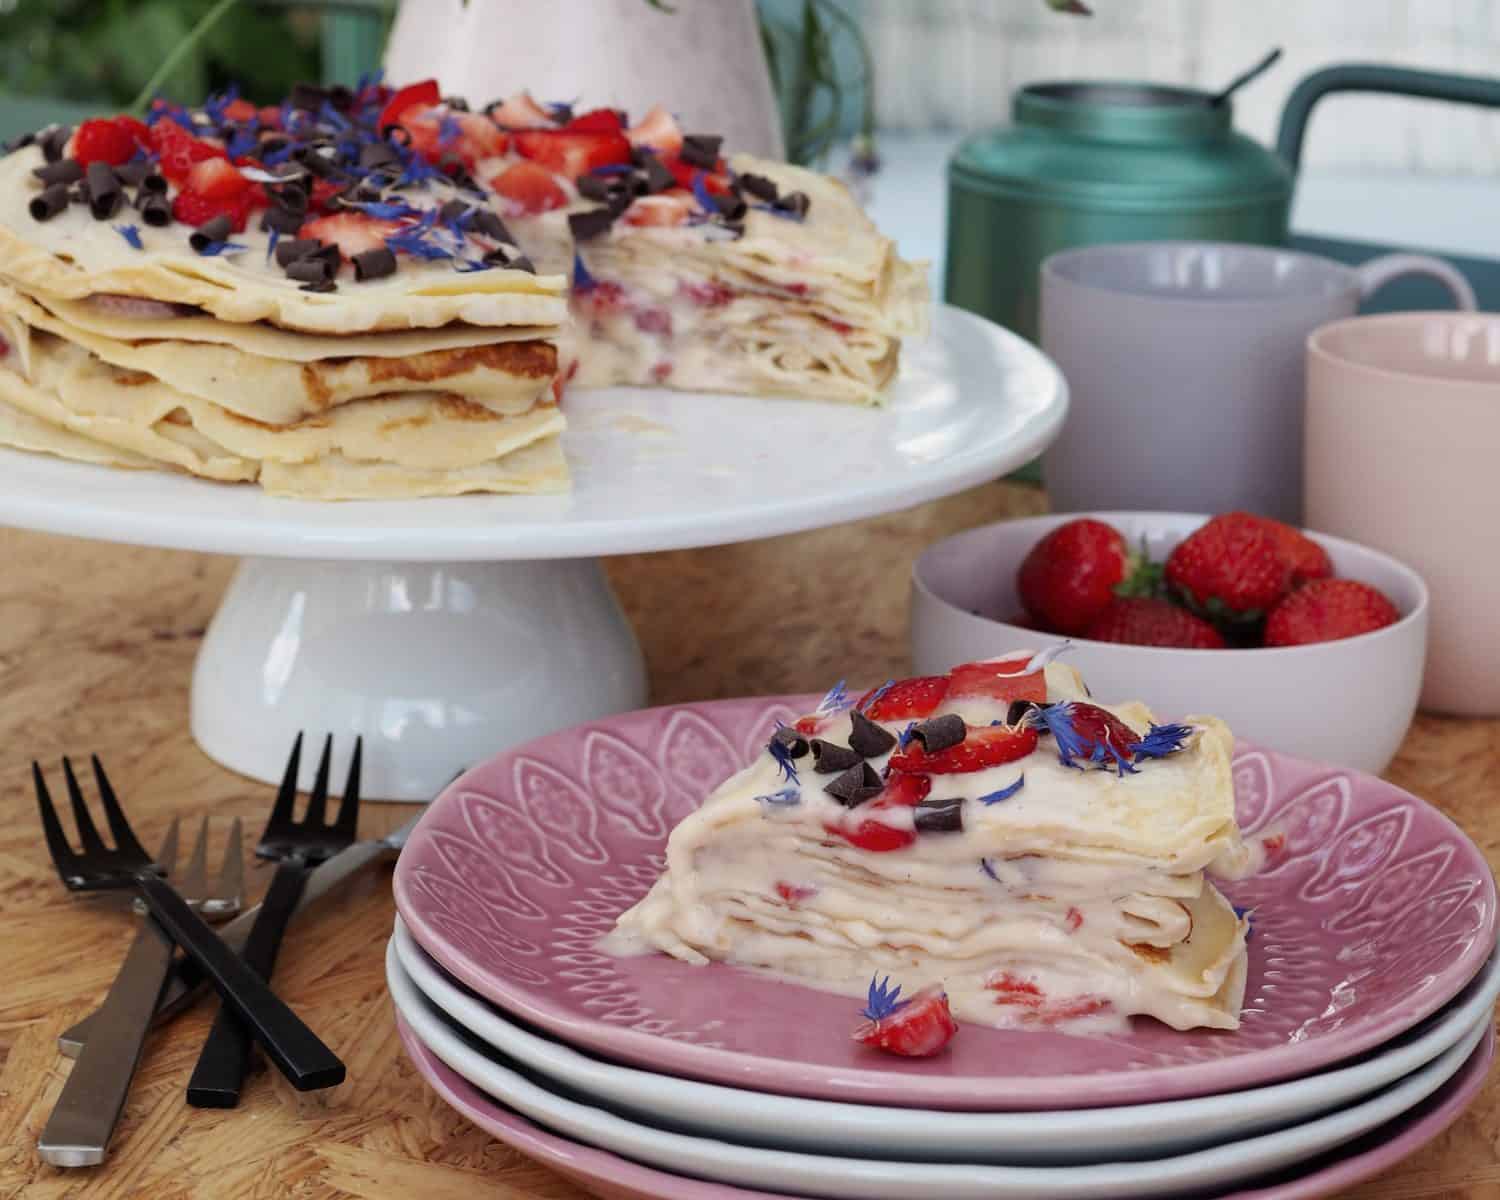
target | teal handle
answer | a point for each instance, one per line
(1372, 77)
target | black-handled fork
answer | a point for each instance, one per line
(291, 1045)
(296, 848)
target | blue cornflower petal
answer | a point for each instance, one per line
(882, 999)
(131, 234)
(214, 249)
(1004, 793)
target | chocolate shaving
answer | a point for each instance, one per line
(282, 220)
(154, 183)
(828, 758)
(310, 270)
(658, 178)
(156, 209)
(599, 187)
(289, 252)
(341, 97)
(64, 170)
(866, 738)
(457, 103)
(732, 207)
(792, 741)
(308, 96)
(588, 225)
(856, 785)
(489, 224)
(289, 196)
(758, 186)
(1017, 711)
(940, 816)
(53, 140)
(701, 150)
(49, 203)
(133, 174)
(795, 203)
(453, 210)
(272, 142)
(522, 264)
(374, 264)
(215, 229)
(105, 193)
(20, 142)
(939, 733)
(320, 285)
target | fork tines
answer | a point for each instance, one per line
(92, 866)
(284, 834)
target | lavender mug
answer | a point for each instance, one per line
(1185, 368)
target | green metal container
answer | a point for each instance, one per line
(1086, 163)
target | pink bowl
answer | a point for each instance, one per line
(1348, 702)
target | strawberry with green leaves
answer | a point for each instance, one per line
(1230, 571)
(1151, 621)
(1069, 577)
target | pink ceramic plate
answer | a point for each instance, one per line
(611, 1177)
(1376, 914)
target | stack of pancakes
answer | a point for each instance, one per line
(126, 344)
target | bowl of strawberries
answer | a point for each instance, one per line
(1302, 642)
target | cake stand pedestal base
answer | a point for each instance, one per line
(437, 665)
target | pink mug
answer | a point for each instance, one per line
(1402, 453)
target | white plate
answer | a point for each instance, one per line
(653, 470)
(1050, 1137)
(873, 1179)
(1015, 1138)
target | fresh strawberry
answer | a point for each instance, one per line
(862, 829)
(522, 112)
(794, 893)
(216, 179)
(572, 154)
(437, 132)
(530, 187)
(190, 208)
(599, 120)
(1305, 557)
(1150, 621)
(352, 232)
(1230, 570)
(1070, 576)
(917, 1027)
(657, 130)
(1327, 610)
(999, 680)
(108, 141)
(985, 746)
(323, 192)
(1085, 734)
(240, 110)
(665, 208)
(424, 93)
(716, 181)
(906, 699)
(178, 150)
(1011, 989)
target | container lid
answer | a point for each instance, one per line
(1136, 144)
(1138, 113)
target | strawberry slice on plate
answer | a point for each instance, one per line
(352, 232)
(530, 187)
(437, 131)
(917, 1027)
(426, 93)
(983, 747)
(599, 120)
(572, 153)
(217, 179)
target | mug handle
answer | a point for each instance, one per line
(1380, 271)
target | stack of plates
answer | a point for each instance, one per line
(1365, 1032)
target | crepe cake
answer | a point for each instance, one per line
(347, 282)
(992, 832)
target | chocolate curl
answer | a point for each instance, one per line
(940, 816)
(105, 193)
(65, 170)
(215, 229)
(940, 733)
(828, 758)
(49, 203)
(856, 785)
(374, 264)
(866, 738)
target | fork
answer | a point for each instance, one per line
(83, 1119)
(292, 1046)
(296, 848)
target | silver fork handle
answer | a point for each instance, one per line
(79, 1129)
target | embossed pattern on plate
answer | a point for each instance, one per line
(1376, 912)
(612, 1177)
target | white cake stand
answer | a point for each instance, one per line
(444, 630)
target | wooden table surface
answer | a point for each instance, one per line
(96, 650)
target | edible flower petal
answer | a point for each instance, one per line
(784, 798)
(1004, 793)
(835, 701)
(1160, 741)
(783, 757)
(131, 234)
(882, 999)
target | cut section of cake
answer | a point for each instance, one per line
(992, 832)
(378, 292)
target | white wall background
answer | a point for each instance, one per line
(953, 64)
